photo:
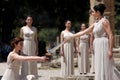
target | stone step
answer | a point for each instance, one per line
(80, 77)
(116, 55)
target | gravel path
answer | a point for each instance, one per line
(44, 74)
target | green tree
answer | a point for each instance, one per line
(48, 34)
(46, 13)
(117, 16)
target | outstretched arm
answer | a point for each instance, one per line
(86, 31)
(27, 58)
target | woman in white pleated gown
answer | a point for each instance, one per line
(83, 49)
(29, 33)
(104, 67)
(103, 45)
(67, 57)
(15, 58)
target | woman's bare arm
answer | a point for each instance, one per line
(86, 31)
(36, 41)
(27, 58)
(78, 43)
(21, 33)
(91, 38)
(108, 30)
(61, 48)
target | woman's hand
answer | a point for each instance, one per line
(62, 53)
(91, 49)
(110, 54)
(79, 53)
(43, 58)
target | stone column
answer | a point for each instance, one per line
(109, 12)
(91, 18)
(91, 21)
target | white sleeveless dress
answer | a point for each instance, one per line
(83, 58)
(104, 67)
(67, 63)
(29, 48)
(12, 71)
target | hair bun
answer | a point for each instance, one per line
(102, 6)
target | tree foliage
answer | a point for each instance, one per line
(46, 14)
(117, 16)
(48, 34)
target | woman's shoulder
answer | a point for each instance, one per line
(104, 20)
(62, 32)
(10, 56)
(10, 53)
(23, 27)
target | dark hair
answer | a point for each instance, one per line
(29, 16)
(100, 7)
(16, 41)
(67, 21)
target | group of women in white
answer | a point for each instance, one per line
(79, 46)
(102, 47)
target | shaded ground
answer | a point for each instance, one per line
(44, 73)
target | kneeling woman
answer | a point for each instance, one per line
(15, 58)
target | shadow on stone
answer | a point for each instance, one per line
(0, 77)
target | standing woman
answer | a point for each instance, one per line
(67, 65)
(83, 49)
(103, 45)
(30, 48)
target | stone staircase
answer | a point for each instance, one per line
(116, 52)
(56, 62)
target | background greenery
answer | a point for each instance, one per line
(48, 15)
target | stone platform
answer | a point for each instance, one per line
(80, 77)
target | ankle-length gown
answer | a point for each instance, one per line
(67, 66)
(12, 71)
(104, 67)
(83, 57)
(29, 48)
